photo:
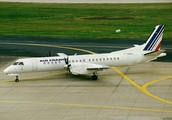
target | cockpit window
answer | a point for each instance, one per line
(21, 63)
(18, 63)
(15, 63)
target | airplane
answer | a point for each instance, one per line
(92, 63)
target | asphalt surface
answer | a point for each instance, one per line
(22, 46)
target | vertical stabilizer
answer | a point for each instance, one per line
(154, 41)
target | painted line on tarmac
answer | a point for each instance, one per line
(85, 105)
(152, 82)
(97, 46)
(149, 73)
(105, 46)
(143, 88)
(55, 46)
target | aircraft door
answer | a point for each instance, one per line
(34, 65)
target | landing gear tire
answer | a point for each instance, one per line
(94, 77)
(17, 79)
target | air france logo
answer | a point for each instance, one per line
(51, 60)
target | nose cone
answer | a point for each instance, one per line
(6, 70)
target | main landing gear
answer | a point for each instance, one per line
(17, 78)
(94, 77)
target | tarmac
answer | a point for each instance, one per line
(141, 92)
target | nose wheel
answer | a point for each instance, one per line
(17, 78)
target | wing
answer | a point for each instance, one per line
(86, 68)
(155, 55)
(98, 67)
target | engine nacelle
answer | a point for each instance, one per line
(80, 68)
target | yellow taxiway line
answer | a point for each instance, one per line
(55, 46)
(85, 105)
(143, 88)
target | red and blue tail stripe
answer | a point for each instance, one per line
(154, 41)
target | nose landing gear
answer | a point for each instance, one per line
(17, 78)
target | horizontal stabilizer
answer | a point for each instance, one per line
(162, 55)
(154, 53)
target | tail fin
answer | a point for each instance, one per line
(154, 41)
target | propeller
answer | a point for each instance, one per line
(66, 60)
(67, 66)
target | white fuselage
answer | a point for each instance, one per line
(57, 63)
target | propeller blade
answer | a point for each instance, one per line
(67, 66)
(66, 60)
